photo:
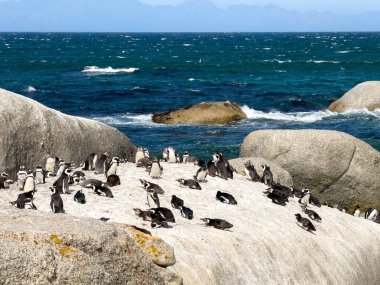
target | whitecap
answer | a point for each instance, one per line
(120, 56)
(127, 119)
(31, 89)
(191, 79)
(322, 61)
(106, 70)
(344, 51)
(187, 45)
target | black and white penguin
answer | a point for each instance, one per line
(165, 213)
(89, 162)
(39, 175)
(187, 213)
(185, 156)
(145, 215)
(29, 184)
(371, 214)
(296, 192)
(251, 172)
(156, 169)
(140, 154)
(278, 198)
(21, 177)
(172, 157)
(50, 165)
(217, 223)
(149, 185)
(112, 168)
(103, 190)
(282, 190)
(62, 167)
(113, 180)
(90, 183)
(152, 198)
(56, 202)
(77, 177)
(79, 197)
(192, 184)
(100, 165)
(176, 202)
(225, 198)
(305, 223)
(315, 201)
(212, 169)
(221, 166)
(4, 181)
(267, 178)
(165, 154)
(62, 183)
(157, 221)
(305, 199)
(24, 199)
(201, 174)
(357, 211)
(312, 214)
(178, 158)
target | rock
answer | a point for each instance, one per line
(202, 113)
(159, 251)
(336, 167)
(280, 175)
(43, 248)
(365, 95)
(29, 131)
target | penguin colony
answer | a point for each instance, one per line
(65, 175)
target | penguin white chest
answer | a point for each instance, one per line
(155, 171)
(112, 170)
(29, 184)
(50, 163)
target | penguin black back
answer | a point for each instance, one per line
(226, 198)
(79, 197)
(176, 202)
(56, 202)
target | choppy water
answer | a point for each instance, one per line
(280, 80)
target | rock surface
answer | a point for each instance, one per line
(337, 167)
(265, 245)
(202, 113)
(280, 175)
(365, 95)
(45, 248)
(29, 131)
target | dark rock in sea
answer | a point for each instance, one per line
(202, 113)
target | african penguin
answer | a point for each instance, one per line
(145, 215)
(139, 154)
(371, 214)
(172, 157)
(113, 167)
(4, 181)
(56, 202)
(29, 184)
(178, 159)
(103, 190)
(165, 154)
(113, 180)
(217, 223)
(305, 223)
(176, 202)
(89, 183)
(89, 163)
(39, 175)
(221, 168)
(211, 168)
(312, 214)
(314, 200)
(61, 167)
(149, 185)
(100, 165)
(21, 177)
(50, 164)
(251, 172)
(77, 177)
(144, 162)
(187, 213)
(24, 199)
(267, 178)
(305, 200)
(62, 183)
(156, 169)
(225, 198)
(192, 184)
(357, 211)
(201, 174)
(79, 197)
(164, 213)
(185, 156)
(152, 198)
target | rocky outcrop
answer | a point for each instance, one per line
(43, 248)
(365, 95)
(280, 175)
(29, 131)
(202, 113)
(337, 167)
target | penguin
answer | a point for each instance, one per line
(149, 185)
(100, 165)
(113, 167)
(178, 159)
(39, 175)
(61, 167)
(139, 154)
(312, 214)
(371, 214)
(176, 202)
(144, 162)
(29, 184)
(192, 184)
(62, 183)
(89, 162)
(50, 165)
(357, 211)
(314, 200)
(77, 177)
(56, 202)
(79, 197)
(187, 213)
(267, 178)
(225, 198)
(185, 157)
(305, 223)
(296, 192)
(145, 215)
(158, 221)
(103, 190)
(277, 198)
(156, 169)
(4, 181)
(211, 168)
(113, 180)
(305, 200)
(89, 183)
(172, 157)
(165, 154)
(146, 153)
(24, 199)
(201, 174)
(251, 172)
(21, 177)
(152, 198)
(217, 223)
(221, 168)
(164, 213)
(281, 190)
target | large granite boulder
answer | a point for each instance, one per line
(29, 131)
(46, 248)
(280, 175)
(365, 95)
(337, 167)
(202, 113)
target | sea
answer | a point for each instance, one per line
(281, 80)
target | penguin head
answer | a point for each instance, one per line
(265, 167)
(146, 152)
(22, 168)
(206, 220)
(215, 157)
(248, 164)
(4, 174)
(68, 171)
(357, 207)
(298, 216)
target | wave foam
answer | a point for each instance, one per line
(31, 89)
(109, 69)
(127, 119)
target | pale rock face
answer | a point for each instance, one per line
(29, 131)
(336, 167)
(365, 95)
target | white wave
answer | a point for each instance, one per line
(31, 89)
(191, 79)
(362, 112)
(305, 117)
(344, 51)
(127, 119)
(280, 71)
(322, 61)
(278, 61)
(187, 45)
(99, 70)
(120, 56)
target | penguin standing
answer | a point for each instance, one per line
(100, 166)
(79, 197)
(61, 167)
(56, 202)
(267, 178)
(89, 163)
(50, 165)
(113, 166)
(251, 172)
(152, 198)
(357, 211)
(62, 183)
(39, 175)
(29, 184)
(21, 177)
(185, 157)
(139, 154)
(172, 155)
(178, 159)
(156, 169)
(201, 174)
(165, 154)
(305, 200)
(371, 214)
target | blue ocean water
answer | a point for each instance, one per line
(282, 80)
